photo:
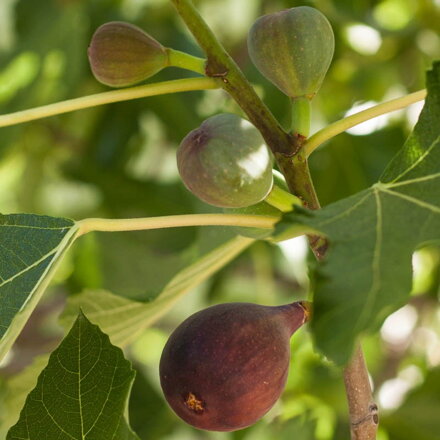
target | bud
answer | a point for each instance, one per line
(121, 54)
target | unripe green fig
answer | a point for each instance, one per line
(224, 367)
(293, 49)
(121, 54)
(225, 162)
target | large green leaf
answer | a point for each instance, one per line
(82, 393)
(123, 319)
(367, 271)
(31, 247)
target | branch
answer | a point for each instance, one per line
(344, 124)
(288, 151)
(173, 221)
(364, 419)
(161, 88)
(221, 65)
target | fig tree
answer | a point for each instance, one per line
(293, 49)
(121, 54)
(224, 367)
(225, 162)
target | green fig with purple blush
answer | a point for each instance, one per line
(121, 54)
(293, 49)
(225, 162)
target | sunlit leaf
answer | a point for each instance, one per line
(82, 393)
(31, 248)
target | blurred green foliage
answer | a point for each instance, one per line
(119, 161)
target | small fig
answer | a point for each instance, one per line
(121, 54)
(293, 49)
(224, 367)
(225, 162)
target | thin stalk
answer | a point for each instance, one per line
(174, 221)
(221, 65)
(282, 200)
(300, 116)
(162, 88)
(176, 58)
(340, 126)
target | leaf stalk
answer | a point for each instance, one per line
(344, 124)
(70, 105)
(174, 221)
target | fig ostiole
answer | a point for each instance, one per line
(225, 162)
(293, 49)
(225, 367)
(121, 54)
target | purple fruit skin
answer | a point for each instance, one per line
(225, 162)
(121, 54)
(224, 367)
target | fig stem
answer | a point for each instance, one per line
(174, 221)
(282, 200)
(221, 65)
(300, 116)
(70, 105)
(344, 124)
(184, 60)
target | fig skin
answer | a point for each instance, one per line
(121, 54)
(293, 49)
(224, 367)
(225, 162)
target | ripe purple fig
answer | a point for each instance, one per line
(293, 49)
(121, 54)
(226, 163)
(224, 367)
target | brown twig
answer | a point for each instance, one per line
(364, 418)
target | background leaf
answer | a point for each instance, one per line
(123, 319)
(31, 248)
(367, 271)
(82, 393)
(15, 392)
(417, 417)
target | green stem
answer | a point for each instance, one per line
(298, 178)
(221, 65)
(300, 116)
(344, 124)
(174, 221)
(176, 58)
(179, 85)
(282, 200)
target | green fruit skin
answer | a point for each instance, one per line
(121, 54)
(233, 358)
(293, 49)
(261, 208)
(225, 162)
